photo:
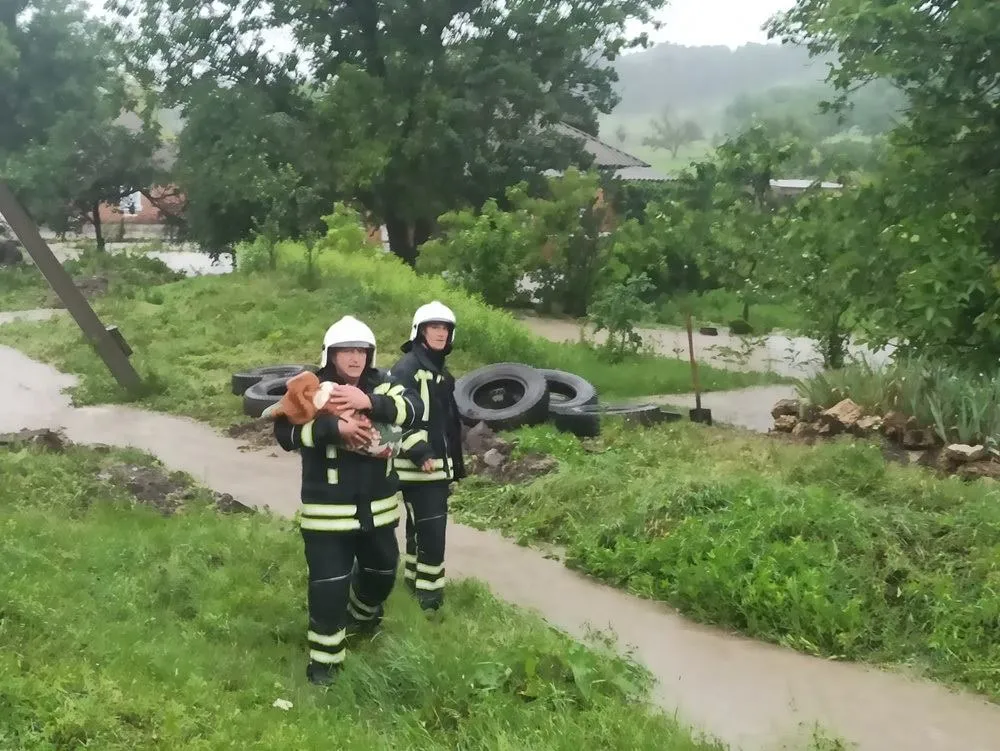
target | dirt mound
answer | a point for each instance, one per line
(257, 433)
(489, 455)
(50, 440)
(151, 486)
(91, 287)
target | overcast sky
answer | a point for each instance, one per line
(726, 22)
(702, 22)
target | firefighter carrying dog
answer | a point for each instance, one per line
(430, 457)
(349, 507)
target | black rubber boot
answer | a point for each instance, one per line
(429, 601)
(364, 627)
(321, 674)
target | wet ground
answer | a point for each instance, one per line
(793, 357)
(755, 696)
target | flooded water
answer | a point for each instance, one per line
(183, 257)
(794, 357)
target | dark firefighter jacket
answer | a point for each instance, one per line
(344, 491)
(437, 432)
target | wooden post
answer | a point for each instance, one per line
(108, 345)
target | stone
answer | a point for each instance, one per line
(869, 424)
(480, 439)
(975, 470)
(826, 429)
(494, 458)
(785, 423)
(786, 407)
(962, 453)
(845, 412)
(893, 424)
(918, 439)
(805, 430)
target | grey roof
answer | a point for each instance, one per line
(605, 155)
(803, 184)
(642, 174)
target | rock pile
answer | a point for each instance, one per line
(489, 455)
(919, 444)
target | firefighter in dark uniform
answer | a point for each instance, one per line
(430, 457)
(350, 508)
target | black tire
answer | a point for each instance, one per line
(245, 379)
(637, 414)
(567, 391)
(505, 396)
(262, 395)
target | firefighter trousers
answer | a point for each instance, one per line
(426, 522)
(350, 576)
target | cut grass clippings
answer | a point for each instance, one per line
(190, 336)
(124, 628)
(826, 549)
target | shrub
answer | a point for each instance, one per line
(960, 405)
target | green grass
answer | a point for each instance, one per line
(825, 549)
(719, 307)
(126, 629)
(23, 288)
(190, 336)
(127, 271)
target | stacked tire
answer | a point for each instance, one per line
(504, 395)
(512, 395)
(264, 386)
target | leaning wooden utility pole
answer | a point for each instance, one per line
(106, 340)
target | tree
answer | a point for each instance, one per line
(671, 134)
(937, 186)
(621, 134)
(459, 109)
(65, 148)
(737, 211)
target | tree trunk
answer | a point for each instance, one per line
(834, 346)
(746, 311)
(400, 240)
(98, 231)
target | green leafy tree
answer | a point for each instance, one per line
(617, 310)
(737, 208)
(64, 145)
(459, 109)
(820, 262)
(485, 252)
(937, 186)
(570, 224)
(671, 133)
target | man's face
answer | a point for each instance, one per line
(350, 362)
(436, 336)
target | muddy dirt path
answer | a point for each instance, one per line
(754, 696)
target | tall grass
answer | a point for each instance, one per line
(826, 549)
(190, 336)
(959, 405)
(123, 629)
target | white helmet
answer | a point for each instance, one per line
(433, 312)
(348, 332)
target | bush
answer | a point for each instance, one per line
(961, 406)
(826, 549)
(485, 253)
(739, 327)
